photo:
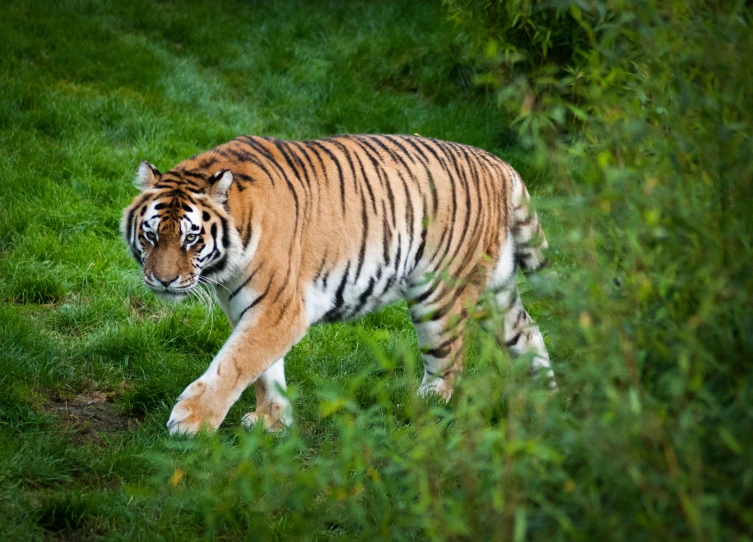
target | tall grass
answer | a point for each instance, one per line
(637, 143)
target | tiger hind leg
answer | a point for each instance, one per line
(439, 326)
(523, 248)
(521, 334)
(272, 407)
(526, 231)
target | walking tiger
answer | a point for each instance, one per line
(293, 233)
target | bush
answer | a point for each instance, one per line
(650, 139)
(531, 32)
(531, 52)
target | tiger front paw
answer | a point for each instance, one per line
(193, 412)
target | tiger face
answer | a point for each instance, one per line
(179, 232)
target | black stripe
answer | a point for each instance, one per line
(395, 157)
(453, 206)
(193, 174)
(282, 310)
(412, 142)
(377, 164)
(364, 298)
(219, 265)
(388, 285)
(293, 162)
(346, 152)
(409, 210)
(303, 150)
(364, 238)
(466, 186)
(366, 183)
(424, 142)
(130, 225)
(310, 147)
(443, 350)
(386, 238)
(513, 341)
(238, 289)
(398, 256)
(256, 145)
(339, 171)
(292, 152)
(441, 312)
(321, 268)
(477, 225)
(258, 299)
(399, 145)
(334, 312)
(464, 229)
(432, 184)
(237, 176)
(207, 162)
(426, 294)
(422, 245)
(249, 232)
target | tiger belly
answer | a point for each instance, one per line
(343, 295)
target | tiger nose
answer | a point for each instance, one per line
(167, 283)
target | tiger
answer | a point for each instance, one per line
(289, 234)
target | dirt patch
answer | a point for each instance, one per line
(91, 416)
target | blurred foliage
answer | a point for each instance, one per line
(647, 128)
(532, 32)
(530, 52)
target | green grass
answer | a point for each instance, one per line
(649, 438)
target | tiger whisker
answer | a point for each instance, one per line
(203, 297)
(213, 282)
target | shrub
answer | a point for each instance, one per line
(652, 166)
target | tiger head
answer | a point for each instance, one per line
(179, 231)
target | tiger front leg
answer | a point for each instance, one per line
(252, 350)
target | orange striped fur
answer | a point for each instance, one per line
(292, 233)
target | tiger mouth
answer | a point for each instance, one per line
(173, 294)
(168, 295)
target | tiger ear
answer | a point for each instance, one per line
(146, 175)
(219, 184)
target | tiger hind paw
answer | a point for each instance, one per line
(275, 418)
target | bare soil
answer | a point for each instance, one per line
(91, 415)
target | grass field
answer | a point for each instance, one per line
(91, 362)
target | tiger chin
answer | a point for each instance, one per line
(289, 234)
